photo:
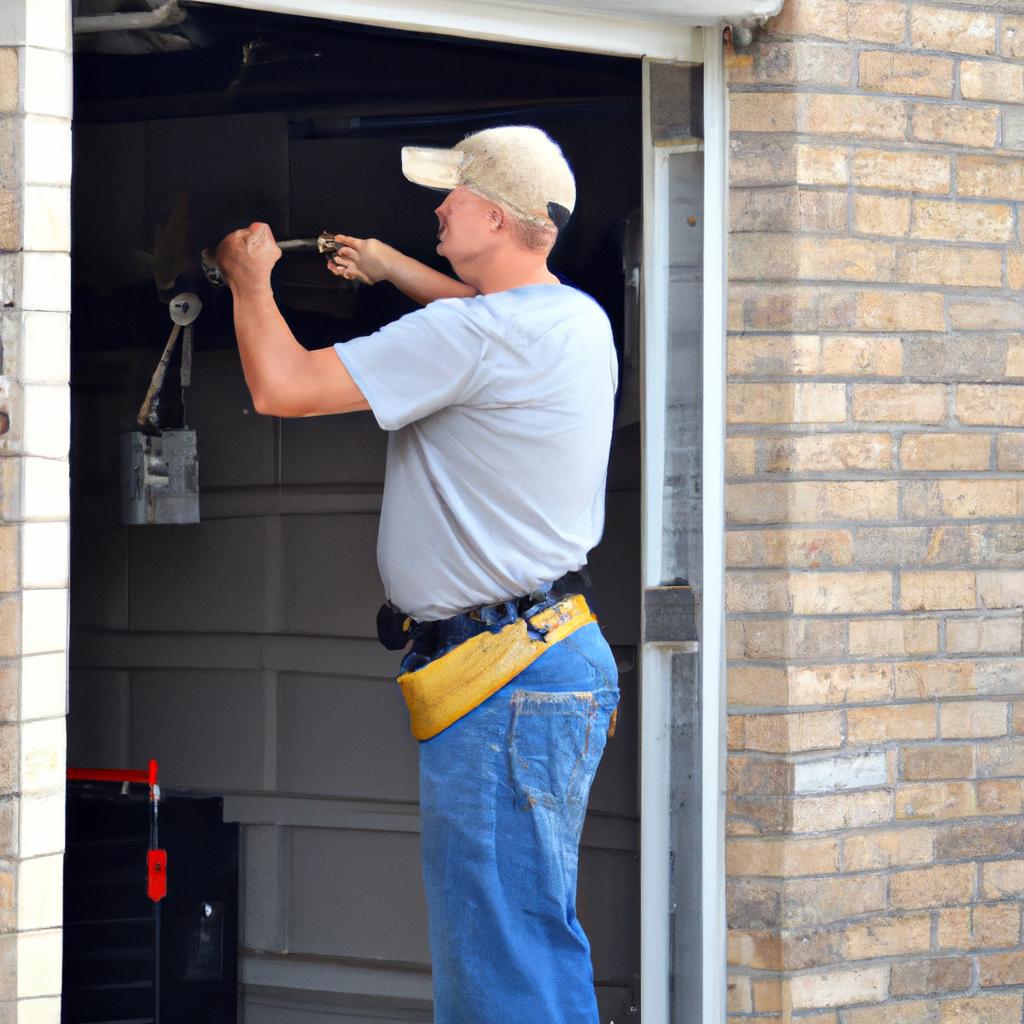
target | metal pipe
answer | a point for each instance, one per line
(164, 16)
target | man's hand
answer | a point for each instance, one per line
(361, 259)
(246, 257)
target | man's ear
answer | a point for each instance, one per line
(496, 218)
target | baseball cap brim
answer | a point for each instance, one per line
(434, 168)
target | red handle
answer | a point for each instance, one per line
(156, 875)
(149, 776)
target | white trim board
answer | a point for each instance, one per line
(563, 26)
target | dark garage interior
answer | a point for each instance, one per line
(239, 650)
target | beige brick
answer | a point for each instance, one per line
(1001, 969)
(994, 1009)
(735, 732)
(1001, 759)
(1002, 878)
(898, 722)
(933, 800)
(937, 28)
(945, 761)
(786, 403)
(983, 636)
(838, 988)
(767, 354)
(804, 549)
(903, 1012)
(954, 125)
(991, 177)
(811, 502)
(892, 936)
(945, 451)
(839, 684)
(988, 314)
(790, 733)
(981, 927)
(767, 995)
(828, 593)
(894, 72)
(922, 679)
(757, 592)
(1001, 588)
(949, 265)
(962, 222)
(941, 886)
(881, 215)
(757, 686)
(781, 639)
(855, 355)
(930, 976)
(992, 80)
(899, 637)
(789, 208)
(9, 74)
(757, 948)
(962, 499)
(899, 403)
(903, 847)
(894, 311)
(781, 858)
(990, 404)
(822, 165)
(922, 591)
(738, 998)
(973, 718)
(1015, 272)
(1018, 718)
(841, 811)
(901, 170)
(807, 309)
(1010, 452)
(798, 63)
(827, 18)
(1001, 796)
(1013, 37)
(793, 258)
(877, 21)
(763, 111)
(740, 456)
(863, 117)
(827, 453)
(1015, 359)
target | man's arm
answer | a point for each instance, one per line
(370, 260)
(283, 378)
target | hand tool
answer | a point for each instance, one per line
(323, 243)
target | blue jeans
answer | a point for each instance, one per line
(503, 793)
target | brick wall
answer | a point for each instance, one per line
(35, 165)
(875, 846)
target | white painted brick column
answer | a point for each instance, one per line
(35, 293)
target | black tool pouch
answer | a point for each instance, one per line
(392, 629)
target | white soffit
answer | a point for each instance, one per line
(662, 29)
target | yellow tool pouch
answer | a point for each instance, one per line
(449, 687)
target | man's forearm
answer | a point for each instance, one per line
(423, 284)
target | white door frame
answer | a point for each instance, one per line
(695, 38)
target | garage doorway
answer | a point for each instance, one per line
(239, 651)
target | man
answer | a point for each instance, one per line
(498, 399)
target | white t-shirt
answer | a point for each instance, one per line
(500, 412)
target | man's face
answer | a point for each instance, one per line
(464, 225)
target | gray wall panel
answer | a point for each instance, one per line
(212, 577)
(205, 728)
(357, 894)
(345, 737)
(331, 586)
(333, 450)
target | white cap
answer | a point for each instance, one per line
(519, 166)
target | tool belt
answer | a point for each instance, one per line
(445, 689)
